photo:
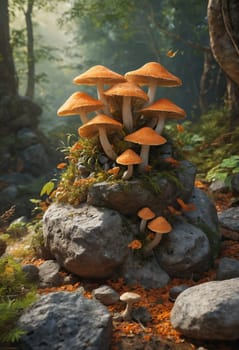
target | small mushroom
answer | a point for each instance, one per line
(127, 91)
(99, 76)
(160, 226)
(128, 158)
(129, 298)
(186, 206)
(161, 110)
(101, 125)
(145, 214)
(79, 103)
(146, 137)
(153, 74)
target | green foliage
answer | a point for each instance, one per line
(224, 170)
(37, 241)
(208, 143)
(17, 229)
(47, 188)
(15, 295)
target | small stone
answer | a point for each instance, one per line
(106, 295)
(176, 290)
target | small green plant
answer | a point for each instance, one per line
(16, 293)
(17, 229)
(225, 170)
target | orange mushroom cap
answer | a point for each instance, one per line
(101, 125)
(91, 128)
(96, 73)
(129, 157)
(146, 213)
(127, 89)
(146, 136)
(79, 102)
(166, 107)
(160, 225)
(153, 72)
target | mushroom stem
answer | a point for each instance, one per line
(128, 173)
(151, 92)
(83, 117)
(144, 154)
(160, 125)
(106, 144)
(142, 225)
(126, 314)
(153, 243)
(127, 113)
(101, 97)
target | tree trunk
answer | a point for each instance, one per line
(30, 89)
(8, 79)
(212, 84)
(224, 39)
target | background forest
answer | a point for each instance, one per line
(45, 44)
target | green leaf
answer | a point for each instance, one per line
(230, 162)
(47, 188)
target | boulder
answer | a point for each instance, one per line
(205, 217)
(146, 272)
(87, 241)
(228, 268)
(66, 320)
(229, 219)
(208, 311)
(184, 251)
(156, 191)
(35, 159)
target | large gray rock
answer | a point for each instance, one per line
(87, 241)
(35, 160)
(229, 218)
(156, 191)
(205, 217)
(228, 268)
(184, 251)
(186, 175)
(65, 320)
(146, 272)
(208, 311)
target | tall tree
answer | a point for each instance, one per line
(30, 89)
(224, 39)
(8, 79)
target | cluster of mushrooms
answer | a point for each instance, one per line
(125, 108)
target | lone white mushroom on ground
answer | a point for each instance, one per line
(129, 298)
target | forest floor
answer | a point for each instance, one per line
(158, 334)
